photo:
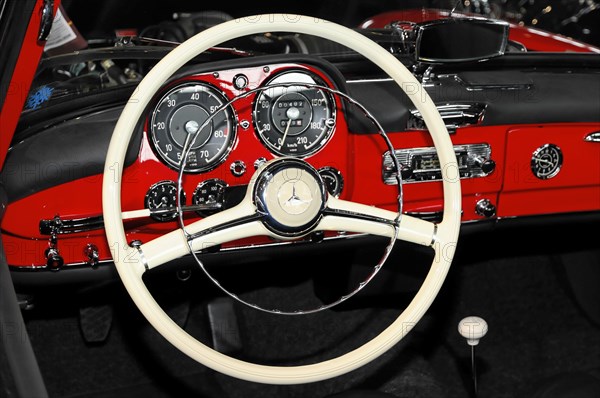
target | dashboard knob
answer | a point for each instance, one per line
(135, 243)
(54, 261)
(259, 162)
(240, 81)
(91, 254)
(238, 168)
(486, 165)
(485, 208)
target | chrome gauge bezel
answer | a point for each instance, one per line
(556, 164)
(230, 117)
(313, 80)
(166, 216)
(336, 175)
(201, 185)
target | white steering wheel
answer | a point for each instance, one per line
(241, 221)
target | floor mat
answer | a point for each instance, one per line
(536, 330)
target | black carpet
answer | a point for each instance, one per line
(536, 330)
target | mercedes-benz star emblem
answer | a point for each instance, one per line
(294, 196)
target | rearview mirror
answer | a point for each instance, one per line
(460, 40)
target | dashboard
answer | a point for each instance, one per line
(228, 118)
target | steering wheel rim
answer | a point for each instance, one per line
(132, 262)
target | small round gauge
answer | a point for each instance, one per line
(546, 161)
(334, 182)
(209, 192)
(180, 113)
(162, 197)
(292, 119)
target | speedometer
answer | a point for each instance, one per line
(293, 117)
(182, 112)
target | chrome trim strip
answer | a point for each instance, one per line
(221, 227)
(453, 115)
(293, 242)
(70, 226)
(350, 214)
(432, 216)
(379, 80)
(142, 257)
(65, 266)
(495, 86)
(592, 137)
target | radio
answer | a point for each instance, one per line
(422, 164)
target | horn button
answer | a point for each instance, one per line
(291, 194)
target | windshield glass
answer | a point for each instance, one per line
(100, 46)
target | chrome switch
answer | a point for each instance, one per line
(485, 208)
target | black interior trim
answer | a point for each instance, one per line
(62, 153)
(20, 373)
(552, 98)
(32, 122)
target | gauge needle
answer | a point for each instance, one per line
(548, 162)
(287, 128)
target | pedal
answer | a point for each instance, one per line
(224, 326)
(95, 322)
(26, 302)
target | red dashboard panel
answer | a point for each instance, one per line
(576, 185)
(425, 196)
(25, 245)
(358, 157)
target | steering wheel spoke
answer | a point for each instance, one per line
(242, 221)
(342, 215)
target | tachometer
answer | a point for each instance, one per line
(182, 112)
(292, 119)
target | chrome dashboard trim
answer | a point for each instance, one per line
(453, 115)
(70, 226)
(44, 267)
(492, 86)
(592, 137)
(405, 157)
(138, 247)
(376, 80)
